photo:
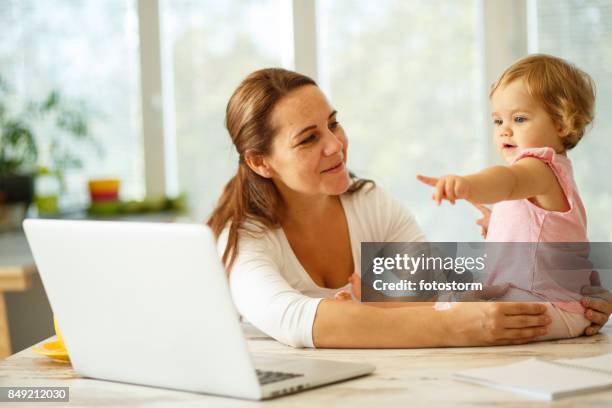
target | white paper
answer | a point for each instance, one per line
(601, 363)
(538, 379)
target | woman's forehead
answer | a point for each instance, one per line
(303, 107)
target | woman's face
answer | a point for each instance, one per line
(308, 153)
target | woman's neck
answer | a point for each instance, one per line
(301, 209)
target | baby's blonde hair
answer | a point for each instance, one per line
(566, 92)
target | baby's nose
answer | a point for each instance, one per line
(506, 131)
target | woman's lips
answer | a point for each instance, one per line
(335, 169)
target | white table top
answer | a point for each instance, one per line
(407, 378)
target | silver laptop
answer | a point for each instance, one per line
(149, 303)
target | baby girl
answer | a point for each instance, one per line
(541, 107)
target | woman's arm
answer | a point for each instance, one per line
(265, 298)
(341, 324)
(529, 177)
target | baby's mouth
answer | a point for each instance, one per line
(508, 146)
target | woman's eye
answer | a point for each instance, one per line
(308, 139)
(334, 125)
(520, 119)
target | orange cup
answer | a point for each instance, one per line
(104, 189)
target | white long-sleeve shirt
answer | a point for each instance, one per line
(271, 289)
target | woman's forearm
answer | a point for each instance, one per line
(341, 324)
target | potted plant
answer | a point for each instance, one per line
(19, 149)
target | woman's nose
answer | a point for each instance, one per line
(333, 144)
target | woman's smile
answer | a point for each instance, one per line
(335, 168)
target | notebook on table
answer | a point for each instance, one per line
(548, 380)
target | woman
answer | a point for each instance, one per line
(290, 223)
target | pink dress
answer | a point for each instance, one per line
(523, 221)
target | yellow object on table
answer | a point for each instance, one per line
(110, 185)
(56, 349)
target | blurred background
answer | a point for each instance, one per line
(115, 107)
(150, 80)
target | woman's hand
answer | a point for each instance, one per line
(494, 324)
(598, 307)
(449, 187)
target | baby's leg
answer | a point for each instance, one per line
(564, 324)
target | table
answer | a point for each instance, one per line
(407, 378)
(16, 269)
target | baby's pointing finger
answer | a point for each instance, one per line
(430, 181)
(449, 190)
(439, 191)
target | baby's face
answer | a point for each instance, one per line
(521, 122)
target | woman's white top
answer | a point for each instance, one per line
(271, 289)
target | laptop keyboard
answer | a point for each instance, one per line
(267, 377)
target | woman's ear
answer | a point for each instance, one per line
(259, 164)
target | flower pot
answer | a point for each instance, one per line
(16, 193)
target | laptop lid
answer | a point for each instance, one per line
(143, 303)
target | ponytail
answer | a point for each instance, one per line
(247, 196)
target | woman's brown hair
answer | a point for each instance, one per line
(248, 196)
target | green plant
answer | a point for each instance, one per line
(63, 122)
(17, 144)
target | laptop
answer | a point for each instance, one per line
(149, 304)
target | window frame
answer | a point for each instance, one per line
(500, 47)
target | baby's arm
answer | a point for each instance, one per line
(529, 177)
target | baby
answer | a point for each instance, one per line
(541, 107)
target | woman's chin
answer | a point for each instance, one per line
(338, 185)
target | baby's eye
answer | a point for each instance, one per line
(497, 122)
(520, 119)
(309, 139)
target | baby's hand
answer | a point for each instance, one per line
(355, 282)
(343, 295)
(484, 221)
(355, 292)
(449, 187)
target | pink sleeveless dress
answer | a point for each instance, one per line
(523, 221)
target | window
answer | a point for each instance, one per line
(89, 52)
(580, 32)
(212, 49)
(406, 79)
